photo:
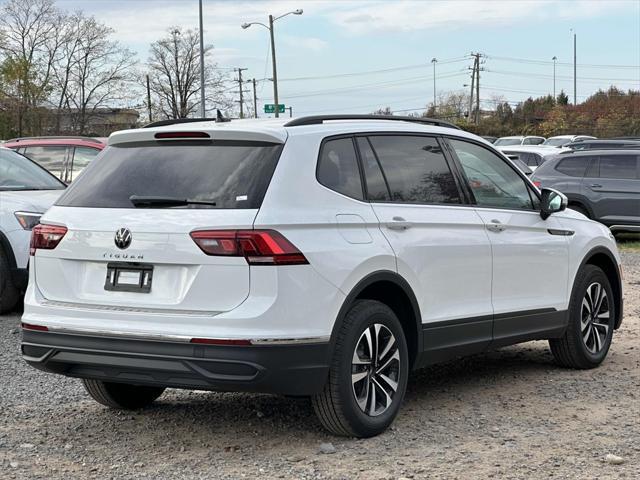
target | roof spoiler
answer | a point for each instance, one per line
(176, 121)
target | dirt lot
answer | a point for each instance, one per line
(505, 414)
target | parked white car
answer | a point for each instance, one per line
(532, 156)
(321, 256)
(26, 192)
(519, 140)
(562, 140)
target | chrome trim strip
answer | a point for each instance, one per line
(180, 338)
(115, 308)
(290, 341)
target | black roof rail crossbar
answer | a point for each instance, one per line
(55, 137)
(319, 119)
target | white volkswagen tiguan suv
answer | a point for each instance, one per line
(321, 256)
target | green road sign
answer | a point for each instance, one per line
(271, 108)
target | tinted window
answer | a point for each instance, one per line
(338, 168)
(531, 159)
(507, 141)
(376, 184)
(619, 166)
(231, 174)
(19, 173)
(52, 158)
(573, 166)
(493, 182)
(416, 169)
(81, 158)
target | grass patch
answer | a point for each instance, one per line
(629, 241)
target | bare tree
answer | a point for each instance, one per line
(31, 39)
(100, 73)
(174, 74)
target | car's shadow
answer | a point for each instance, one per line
(203, 414)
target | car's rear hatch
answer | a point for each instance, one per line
(113, 250)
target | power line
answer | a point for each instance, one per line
(550, 62)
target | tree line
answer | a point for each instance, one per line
(610, 113)
(58, 69)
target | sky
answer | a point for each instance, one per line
(358, 56)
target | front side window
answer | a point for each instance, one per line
(624, 167)
(338, 168)
(493, 182)
(415, 169)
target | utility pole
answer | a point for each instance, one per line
(478, 88)
(240, 70)
(555, 59)
(575, 72)
(473, 80)
(149, 99)
(434, 61)
(202, 110)
(255, 99)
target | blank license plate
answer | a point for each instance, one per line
(125, 277)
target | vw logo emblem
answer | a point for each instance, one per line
(123, 238)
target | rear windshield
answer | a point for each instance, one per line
(501, 142)
(229, 174)
(20, 173)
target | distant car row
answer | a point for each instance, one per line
(557, 141)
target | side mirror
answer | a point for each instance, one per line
(552, 201)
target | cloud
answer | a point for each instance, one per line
(360, 18)
(312, 44)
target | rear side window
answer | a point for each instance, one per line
(415, 169)
(574, 167)
(81, 158)
(231, 174)
(52, 158)
(338, 168)
(624, 167)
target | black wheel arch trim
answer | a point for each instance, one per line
(370, 279)
(617, 287)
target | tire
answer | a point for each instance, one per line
(9, 294)
(349, 408)
(580, 347)
(121, 395)
(580, 209)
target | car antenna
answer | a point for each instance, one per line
(220, 117)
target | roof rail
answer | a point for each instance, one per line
(319, 119)
(55, 137)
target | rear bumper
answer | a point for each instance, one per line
(298, 369)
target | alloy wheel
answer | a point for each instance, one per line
(375, 370)
(595, 317)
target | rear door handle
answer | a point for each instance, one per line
(496, 226)
(596, 185)
(399, 223)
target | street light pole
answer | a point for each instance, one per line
(575, 72)
(275, 72)
(434, 61)
(555, 59)
(272, 20)
(202, 111)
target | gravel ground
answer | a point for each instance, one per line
(506, 414)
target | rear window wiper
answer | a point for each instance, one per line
(140, 201)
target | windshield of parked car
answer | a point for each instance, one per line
(507, 141)
(557, 142)
(216, 174)
(20, 173)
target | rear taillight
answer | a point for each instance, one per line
(259, 247)
(46, 237)
(537, 184)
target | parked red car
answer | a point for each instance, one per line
(64, 157)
